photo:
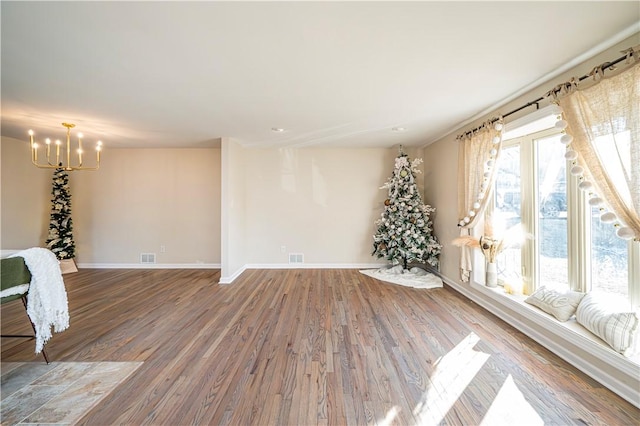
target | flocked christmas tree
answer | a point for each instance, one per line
(60, 238)
(405, 232)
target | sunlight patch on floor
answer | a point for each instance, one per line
(510, 407)
(390, 417)
(453, 373)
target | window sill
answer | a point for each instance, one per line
(571, 330)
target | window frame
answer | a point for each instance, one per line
(578, 226)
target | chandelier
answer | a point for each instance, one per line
(63, 162)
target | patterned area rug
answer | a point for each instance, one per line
(60, 392)
(414, 277)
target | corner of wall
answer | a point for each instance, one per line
(232, 207)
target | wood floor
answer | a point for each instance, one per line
(307, 347)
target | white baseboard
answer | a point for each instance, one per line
(149, 265)
(622, 366)
(314, 265)
(229, 279)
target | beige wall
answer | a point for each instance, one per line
(319, 202)
(441, 165)
(139, 200)
(25, 195)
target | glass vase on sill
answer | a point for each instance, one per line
(491, 278)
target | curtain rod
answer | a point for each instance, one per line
(536, 102)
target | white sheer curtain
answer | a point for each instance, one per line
(604, 121)
(477, 154)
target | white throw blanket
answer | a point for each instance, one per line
(47, 304)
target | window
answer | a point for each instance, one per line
(568, 246)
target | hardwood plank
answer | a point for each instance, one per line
(327, 347)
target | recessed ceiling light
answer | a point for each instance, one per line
(398, 129)
(277, 129)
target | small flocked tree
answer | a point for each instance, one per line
(60, 238)
(404, 232)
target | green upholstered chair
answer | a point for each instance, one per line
(14, 272)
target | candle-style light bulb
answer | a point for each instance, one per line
(98, 150)
(58, 143)
(80, 136)
(48, 143)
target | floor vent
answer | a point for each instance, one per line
(296, 258)
(147, 258)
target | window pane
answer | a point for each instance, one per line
(552, 213)
(507, 210)
(609, 254)
(609, 258)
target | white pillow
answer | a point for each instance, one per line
(605, 316)
(560, 305)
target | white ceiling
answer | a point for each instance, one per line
(183, 74)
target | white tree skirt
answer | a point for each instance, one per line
(414, 277)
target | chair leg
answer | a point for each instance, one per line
(44, 352)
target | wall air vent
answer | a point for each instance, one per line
(296, 258)
(147, 258)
